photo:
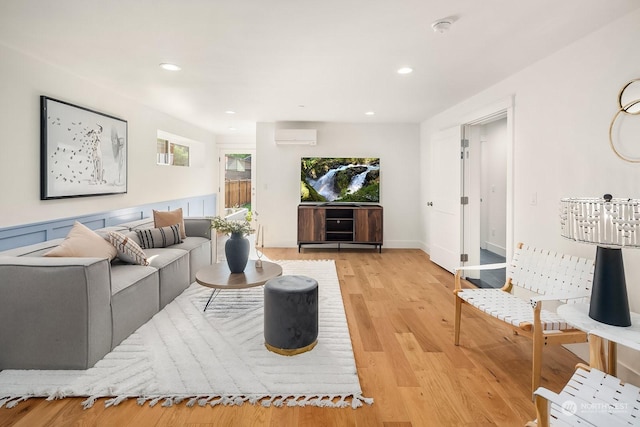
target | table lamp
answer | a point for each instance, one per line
(612, 224)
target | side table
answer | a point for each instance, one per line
(578, 316)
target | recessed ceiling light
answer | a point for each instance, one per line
(405, 70)
(232, 128)
(170, 67)
(230, 112)
(370, 113)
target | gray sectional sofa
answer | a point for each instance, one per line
(67, 313)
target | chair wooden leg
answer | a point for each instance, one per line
(542, 411)
(456, 325)
(538, 343)
(612, 358)
(537, 362)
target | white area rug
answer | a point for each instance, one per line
(217, 357)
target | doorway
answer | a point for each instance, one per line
(485, 187)
(485, 184)
(237, 182)
(236, 190)
(454, 181)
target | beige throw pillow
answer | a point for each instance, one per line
(84, 243)
(165, 219)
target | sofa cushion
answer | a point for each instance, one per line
(159, 237)
(135, 298)
(199, 254)
(83, 242)
(164, 219)
(173, 267)
(128, 249)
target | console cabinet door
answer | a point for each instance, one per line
(311, 224)
(368, 225)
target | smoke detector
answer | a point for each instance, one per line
(442, 25)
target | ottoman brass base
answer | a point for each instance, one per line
(291, 351)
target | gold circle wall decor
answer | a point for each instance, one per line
(628, 103)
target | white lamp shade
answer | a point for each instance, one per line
(605, 222)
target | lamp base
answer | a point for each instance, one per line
(609, 301)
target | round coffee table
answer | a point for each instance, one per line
(218, 276)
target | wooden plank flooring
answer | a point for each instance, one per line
(400, 312)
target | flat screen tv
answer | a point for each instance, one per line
(339, 180)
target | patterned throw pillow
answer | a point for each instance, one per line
(159, 237)
(128, 250)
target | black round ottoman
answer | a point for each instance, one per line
(290, 314)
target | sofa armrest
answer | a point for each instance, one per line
(55, 313)
(197, 227)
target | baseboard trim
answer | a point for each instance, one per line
(498, 250)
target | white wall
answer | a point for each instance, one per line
(278, 176)
(563, 107)
(22, 80)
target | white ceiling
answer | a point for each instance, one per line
(297, 60)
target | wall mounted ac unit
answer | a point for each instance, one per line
(295, 136)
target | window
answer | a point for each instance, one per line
(170, 153)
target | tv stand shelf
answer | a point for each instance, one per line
(338, 224)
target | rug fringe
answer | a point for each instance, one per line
(289, 400)
(12, 401)
(115, 401)
(323, 401)
(89, 402)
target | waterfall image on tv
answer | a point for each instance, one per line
(340, 180)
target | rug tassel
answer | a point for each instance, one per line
(168, 402)
(89, 402)
(357, 401)
(268, 402)
(154, 401)
(279, 402)
(56, 395)
(115, 401)
(367, 400)
(216, 402)
(13, 403)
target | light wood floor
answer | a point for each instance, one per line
(400, 312)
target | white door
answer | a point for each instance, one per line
(445, 220)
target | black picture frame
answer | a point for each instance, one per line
(83, 152)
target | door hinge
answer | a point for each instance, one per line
(464, 143)
(464, 257)
(464, 200)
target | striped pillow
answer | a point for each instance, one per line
(128, 250)
(159, 237)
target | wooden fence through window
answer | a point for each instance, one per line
(237, 193)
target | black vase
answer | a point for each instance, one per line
(237, 252)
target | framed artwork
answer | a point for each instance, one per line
(82, 152)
